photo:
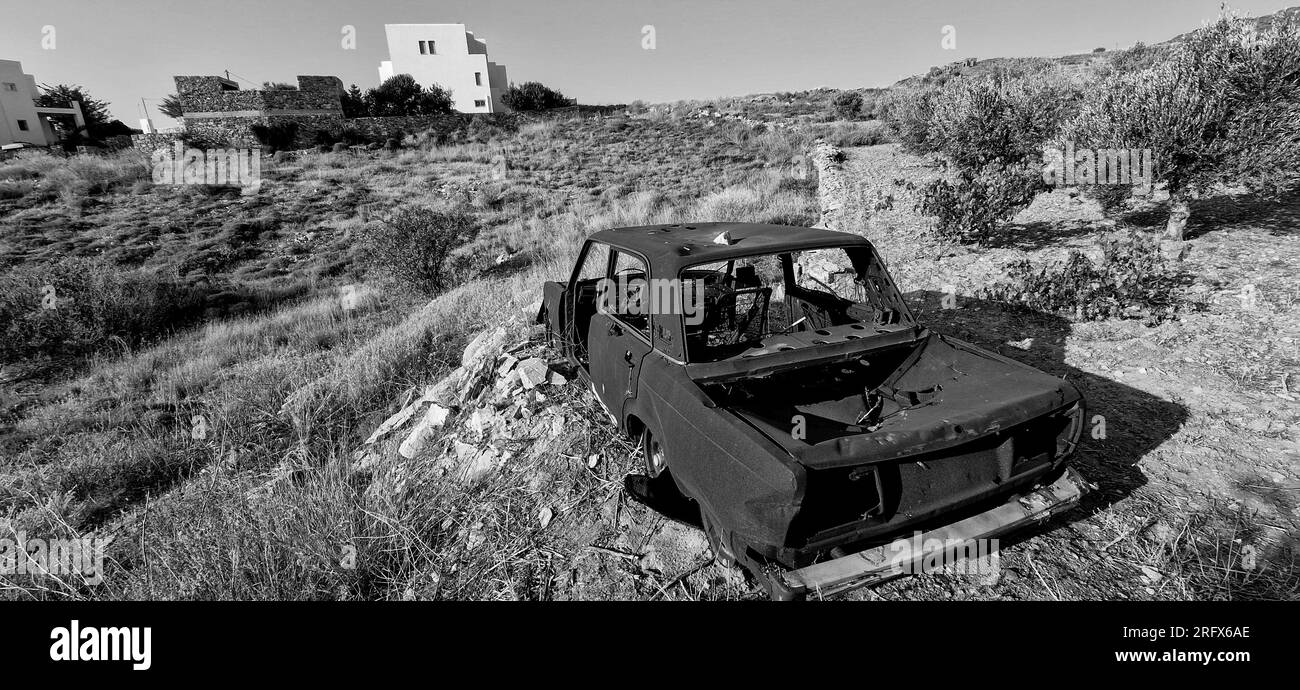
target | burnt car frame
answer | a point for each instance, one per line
(812, 424)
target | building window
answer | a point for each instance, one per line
(22, 125)
(478, 79)
(431, 50)
(422, 50)
(480, 104)
(10, 86)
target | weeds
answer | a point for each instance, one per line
(1133, 280)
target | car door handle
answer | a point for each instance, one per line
(615, 329)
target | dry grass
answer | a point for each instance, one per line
(236, 436)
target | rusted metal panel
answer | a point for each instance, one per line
(879, 564)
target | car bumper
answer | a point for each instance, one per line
(881, 563)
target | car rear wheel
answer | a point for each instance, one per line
(656, 458)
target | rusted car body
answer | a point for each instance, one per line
(801, 405)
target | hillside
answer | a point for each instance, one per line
(240, 392)
(1080, 62)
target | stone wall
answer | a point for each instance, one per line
(379, 128)
(200, 96)
(152, 142)
(218, 113)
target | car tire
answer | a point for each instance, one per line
(654, 455)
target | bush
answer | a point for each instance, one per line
(74, 306)
(414, 244)
(1133, 280)
(847, 105)
(534, 96)
(401, 95)
(277, 137)
(907, 113)
(970, 208)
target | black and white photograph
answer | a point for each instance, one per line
(359, 315)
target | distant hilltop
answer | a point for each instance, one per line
(975, 67)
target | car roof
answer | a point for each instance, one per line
(669, 248)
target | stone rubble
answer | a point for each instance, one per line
(500, 393)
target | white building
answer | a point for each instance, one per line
(21, 120)
(449, 56)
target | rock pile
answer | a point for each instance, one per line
(468, 421)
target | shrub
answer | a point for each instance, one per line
(847, 105)
(204, 140)
(402, 95)
(534, 96)
(277, 137)
(907, 114)
(1133, 280)
(1137, 58)
(970, 208)
(75, 306)
(1222, 108)
(413, 245)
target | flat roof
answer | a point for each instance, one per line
(669, 248)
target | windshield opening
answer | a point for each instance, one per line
(749, 301)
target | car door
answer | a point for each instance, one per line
(580, 300)
(619, 335)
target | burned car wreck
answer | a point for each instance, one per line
(775, 377)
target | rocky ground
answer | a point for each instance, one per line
(1193, 443)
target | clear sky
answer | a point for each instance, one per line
(125, 50)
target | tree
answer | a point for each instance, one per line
(534, 96)
(402, 95)
(354, 103)
(171, 106)
(975, 121)
(94, 111)
(992, 129)
(1224, 108)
